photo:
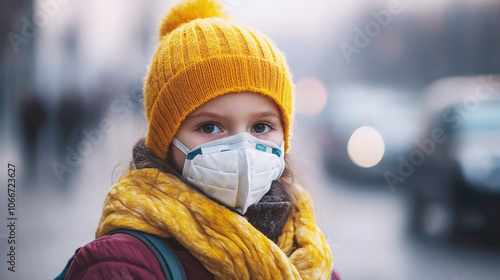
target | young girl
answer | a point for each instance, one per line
(212, 175)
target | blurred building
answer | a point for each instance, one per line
(422, 42)
(87, 43)
(16, 58)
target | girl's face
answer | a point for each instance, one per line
(228, 115)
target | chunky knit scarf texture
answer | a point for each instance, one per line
(223, 241)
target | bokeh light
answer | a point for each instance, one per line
(366, 147)
(311, 96)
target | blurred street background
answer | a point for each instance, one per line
(397, 127)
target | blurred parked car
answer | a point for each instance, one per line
(390, 113)
(455, 190)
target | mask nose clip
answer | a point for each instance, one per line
(235, 171)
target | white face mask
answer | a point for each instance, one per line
(236, 171)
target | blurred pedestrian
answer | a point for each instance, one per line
(210, 176)
(33, 118)
(70, 120)
(99, 102)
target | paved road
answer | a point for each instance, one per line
(364, 224)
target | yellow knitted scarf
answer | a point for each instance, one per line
(223, 241)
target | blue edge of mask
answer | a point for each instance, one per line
(259, 147)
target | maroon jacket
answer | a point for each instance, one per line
(122, 256)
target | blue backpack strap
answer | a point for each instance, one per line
(62, 275)
(170, 263)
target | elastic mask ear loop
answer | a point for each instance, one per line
(181, 146)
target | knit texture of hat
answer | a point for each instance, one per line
(202, 54)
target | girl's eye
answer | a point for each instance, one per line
(209, 128)
(261, 128)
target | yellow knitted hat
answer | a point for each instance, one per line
(203, 54)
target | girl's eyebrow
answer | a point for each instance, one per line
(208, 114)
(267, 114)
(204, 114)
